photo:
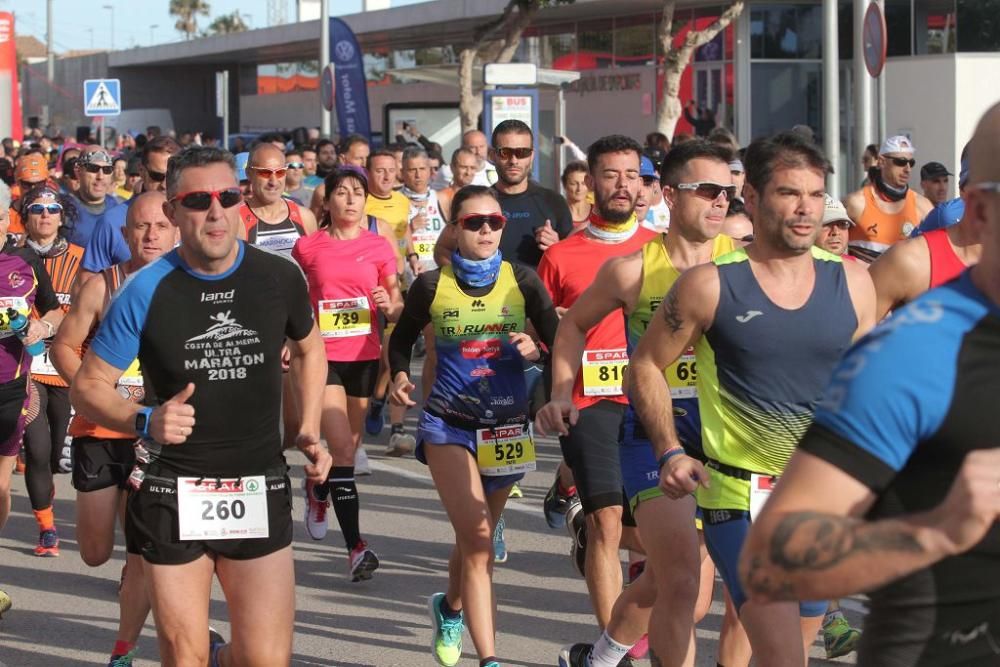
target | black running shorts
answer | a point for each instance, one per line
(13, 403)
(151, 524)
(102, 463)
(358, 378)
(591, 452)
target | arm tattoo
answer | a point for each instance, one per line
(814, 541)
(671, 312)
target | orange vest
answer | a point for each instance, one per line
(62, 272)
(80, 426)
(876, 230)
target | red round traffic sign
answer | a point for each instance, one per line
(874, 36)
(328, 88)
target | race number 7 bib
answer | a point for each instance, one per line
(505, 450)
(682, 376)
(343, 318)
(226, 509)
(603, 372)
(760, 490)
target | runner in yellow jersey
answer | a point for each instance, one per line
(635, 284)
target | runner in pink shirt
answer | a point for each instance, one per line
(352, 278)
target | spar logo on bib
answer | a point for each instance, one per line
(481, 349)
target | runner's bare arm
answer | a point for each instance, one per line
(900, 275)
(308, 220)
(94, 394)
(444, 204)
(855, 204)
(446, 243)
(859, 284)
(318, 202)
(809, 542)
(83, 314)
(924, 206)
(686, 312)
(617, 285)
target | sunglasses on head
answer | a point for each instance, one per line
(38, 209)
(295, 165)
(268, 173)
(201, 200)
(94, 168)
(156, 176)
(475, 221)
(709, 190)
(506, 153)
(902, 161)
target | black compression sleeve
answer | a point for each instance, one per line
(537, 304)
(563, 218)
(416, 314)
(45, 297)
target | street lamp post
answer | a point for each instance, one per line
(111, 9)
(152, 36)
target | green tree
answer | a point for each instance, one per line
(227, 24)
(187, 13)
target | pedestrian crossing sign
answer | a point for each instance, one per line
(102, 97)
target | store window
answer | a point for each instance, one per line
(595, 45)
(635, 41)
(287, 77)
(935, 24)
(978, 25)
(780, 32)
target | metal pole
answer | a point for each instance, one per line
(50, 70)
(225, 109)
(560, 152)
(862, 93)
(831, 95)
(324, 59)
(881, 88)
(100, 132)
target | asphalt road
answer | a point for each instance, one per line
(65, 614)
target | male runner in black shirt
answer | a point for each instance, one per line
(208, 322)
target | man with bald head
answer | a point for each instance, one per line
(271, 221)
(107, 246)
(894, 488)
(476, 142)
(102, 459)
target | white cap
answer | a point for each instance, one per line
(834, 211)
(897, 144)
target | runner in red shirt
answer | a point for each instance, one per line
(352, 276)
(590, 450)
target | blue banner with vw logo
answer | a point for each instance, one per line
(349, 72)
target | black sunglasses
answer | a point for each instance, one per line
(902, 162)
(94, 168)
(506, 153)
(201, 200)
(475, 221)
(156, 176)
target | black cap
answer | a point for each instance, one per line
(933, 170)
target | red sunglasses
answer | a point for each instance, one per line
(475, 221)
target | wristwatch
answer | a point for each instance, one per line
(142, 420)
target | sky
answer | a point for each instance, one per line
(84, 24)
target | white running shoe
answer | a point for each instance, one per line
(316, 520)
(361, 465)
(400, 444)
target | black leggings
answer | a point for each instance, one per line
(43, 443)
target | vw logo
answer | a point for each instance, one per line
(344, 50)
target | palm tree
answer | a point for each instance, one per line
(187, 12)
(227, 23)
